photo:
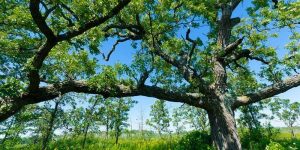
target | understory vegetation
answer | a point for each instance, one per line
(193, 140)
(76, 121)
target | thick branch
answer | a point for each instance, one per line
(45, 49)
(143, 77)
(231, 47)
(49, 11)
(235, 3)
(119, 90)
(245, 53)
(40, 20)
(37, 62)
(52, 40)
(268, 92)
(94, 23)
(9, 107)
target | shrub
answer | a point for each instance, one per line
(274, 146)
(194, 141)
(257, 138)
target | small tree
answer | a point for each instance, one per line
(122, 107)
(90, 116)
(49, 130)
(196, 117)
(47, 120)
(73, 117)
(160, 119)
(106, 114)
(12, 128)
(286, 111)
(177, 120)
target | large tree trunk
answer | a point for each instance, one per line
(223, 129)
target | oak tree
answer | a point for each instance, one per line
(189, 51)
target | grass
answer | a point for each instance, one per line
(138, 142)
(134, 143)
(287, 135)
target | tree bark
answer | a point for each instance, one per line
(223, 129)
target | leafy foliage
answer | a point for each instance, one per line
(286, 111)
(195, 140)
(160, 119)
(196, 117)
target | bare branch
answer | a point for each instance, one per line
(268, 92)
(106, 58)
(191, 52)
(136, 32)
